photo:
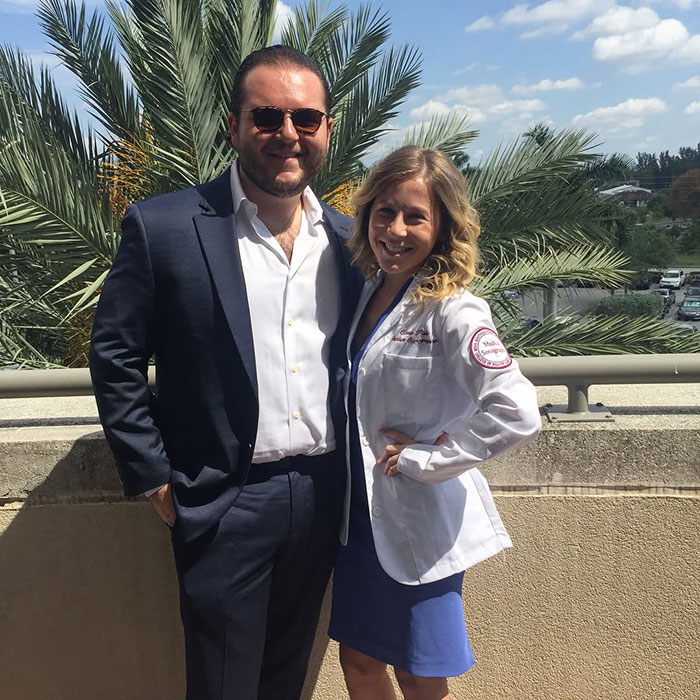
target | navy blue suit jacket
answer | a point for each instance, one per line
(176, 291)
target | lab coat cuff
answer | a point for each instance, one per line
(413, 460)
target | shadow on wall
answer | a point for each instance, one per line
(88, 590)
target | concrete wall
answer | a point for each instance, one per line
(599, 598)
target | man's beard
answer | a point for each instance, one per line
(267, 182)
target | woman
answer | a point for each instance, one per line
(432, 394)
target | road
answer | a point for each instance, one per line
(573, 301)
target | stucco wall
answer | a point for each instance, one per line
(599, 598)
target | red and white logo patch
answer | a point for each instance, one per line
(488, 349)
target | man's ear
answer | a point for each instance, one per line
(233, 120)
(330, 128)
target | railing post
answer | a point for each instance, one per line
(578, 398)
(578, 409)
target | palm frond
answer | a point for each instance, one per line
(361, 120)
(351, 51)
(511, 169)
(313, 28)
(49, 210)
(446, 132)
(231, 30)
(164, 40)
(596, 263)
(86, 47)
(600, 336)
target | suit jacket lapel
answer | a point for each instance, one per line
(216, 230)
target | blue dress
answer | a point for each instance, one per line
(419, 629)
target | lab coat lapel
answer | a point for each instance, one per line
(381, 338)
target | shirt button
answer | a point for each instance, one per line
(296, 415)
(376, 511)
(365, 441)
(362, 371)
(295, 368)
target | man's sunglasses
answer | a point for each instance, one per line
(269, 119)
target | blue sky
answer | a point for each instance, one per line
(628, 70)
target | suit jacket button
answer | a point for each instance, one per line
(376, 511)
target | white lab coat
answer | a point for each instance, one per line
(420, 374)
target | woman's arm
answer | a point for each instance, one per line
(478, 365)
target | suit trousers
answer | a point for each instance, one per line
(251, 589)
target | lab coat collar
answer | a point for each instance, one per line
(401, 310)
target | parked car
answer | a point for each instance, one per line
(693, 291)
(689, 310)
(672, 279)
(669, 297)
(510, 293)
(687, 327)
(640, 283)
(694, 279)
(530, 322)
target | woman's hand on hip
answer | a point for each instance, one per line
(390, 458)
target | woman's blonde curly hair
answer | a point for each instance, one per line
(451, 266)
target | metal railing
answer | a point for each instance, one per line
(579, 373)
(576, 373)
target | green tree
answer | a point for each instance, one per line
(649, 247)
(64, 187)
(684, 195)
(690, 242)
(630, 305)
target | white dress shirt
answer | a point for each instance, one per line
(294, 310)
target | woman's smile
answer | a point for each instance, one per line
(403, 228)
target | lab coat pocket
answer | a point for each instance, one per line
(412, 392)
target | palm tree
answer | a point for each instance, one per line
(541, 221)
(156, 83)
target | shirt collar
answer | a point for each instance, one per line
(312, 207)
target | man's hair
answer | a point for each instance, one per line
(451, 265)
(277, 56)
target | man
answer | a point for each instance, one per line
(242, 290)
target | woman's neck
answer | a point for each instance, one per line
(392, 284)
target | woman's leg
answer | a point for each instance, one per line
(421, 687)
(365, 677)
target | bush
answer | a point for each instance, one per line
(630, 305)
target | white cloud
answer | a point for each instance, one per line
(688, 52)
(690, 83)
(23, 7)
(620, 20)
(653, 43)
(548, 85)
(520, 123)
(432, 108)
(556, 12)
(547, 30)
(624, 116)
(684, 4)
(479, 103)
(482, 23)
(692, 108)
(283, 13)
(476, 65)
(516, 106)
(19, 7)
(480, 95)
